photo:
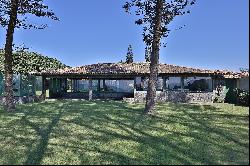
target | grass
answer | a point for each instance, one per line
(109, 132)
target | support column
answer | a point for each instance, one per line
(164, 84)
(66, 85)
(33, 79)
(182, 84)
(215, 82)
(74, 85)
(43, 87)
(212, 83)
(237, 83)
(59, 84)
(71, 85)
(135, 85)
(104, 85)
(99, 88)
(99, 85)
(90, 89)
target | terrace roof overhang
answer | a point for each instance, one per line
(132, 70)
(123, 76)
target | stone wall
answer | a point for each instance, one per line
(95, 95)
(140, 96)
(23, 100)
(177, 96)
(113, 95)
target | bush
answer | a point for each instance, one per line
(220, 94)
(242, 97)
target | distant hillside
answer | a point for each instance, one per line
(25, 62)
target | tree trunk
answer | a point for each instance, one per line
(154, 61)
(8, 59)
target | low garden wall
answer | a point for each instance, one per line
(113, 95)
(95, 95)
(177, 96)
(139, 96)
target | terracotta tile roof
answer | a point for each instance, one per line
(235, 74)
(131, 69)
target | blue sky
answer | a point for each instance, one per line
(92, 31)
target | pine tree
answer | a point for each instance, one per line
(130, 55)
(14, 14)
(155, 16)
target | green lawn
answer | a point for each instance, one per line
(81, 132)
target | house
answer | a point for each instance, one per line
(122, 81)
(129, 82)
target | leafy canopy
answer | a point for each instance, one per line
(146, 11)
(25, 9)
(25, 62)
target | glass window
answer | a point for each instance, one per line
(110, 86)
(126, 86)
(16, 84)
(159, 85)
(173, 83)
(27, 85)
(83, 85)
(139, 83)
(144, 84)
(197, 84)
(38, 83)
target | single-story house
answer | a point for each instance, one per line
(129, 82)
(124, 81)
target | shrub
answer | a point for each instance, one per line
(220, 94)
(242, 97)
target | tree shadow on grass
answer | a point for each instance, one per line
(35, 156)
(134, 125)
(206, 120)
(160, 139)
(221, 131)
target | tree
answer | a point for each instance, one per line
(25, 62)
(244, 70)
(14, 14)
(155, 16)
(130, 55)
